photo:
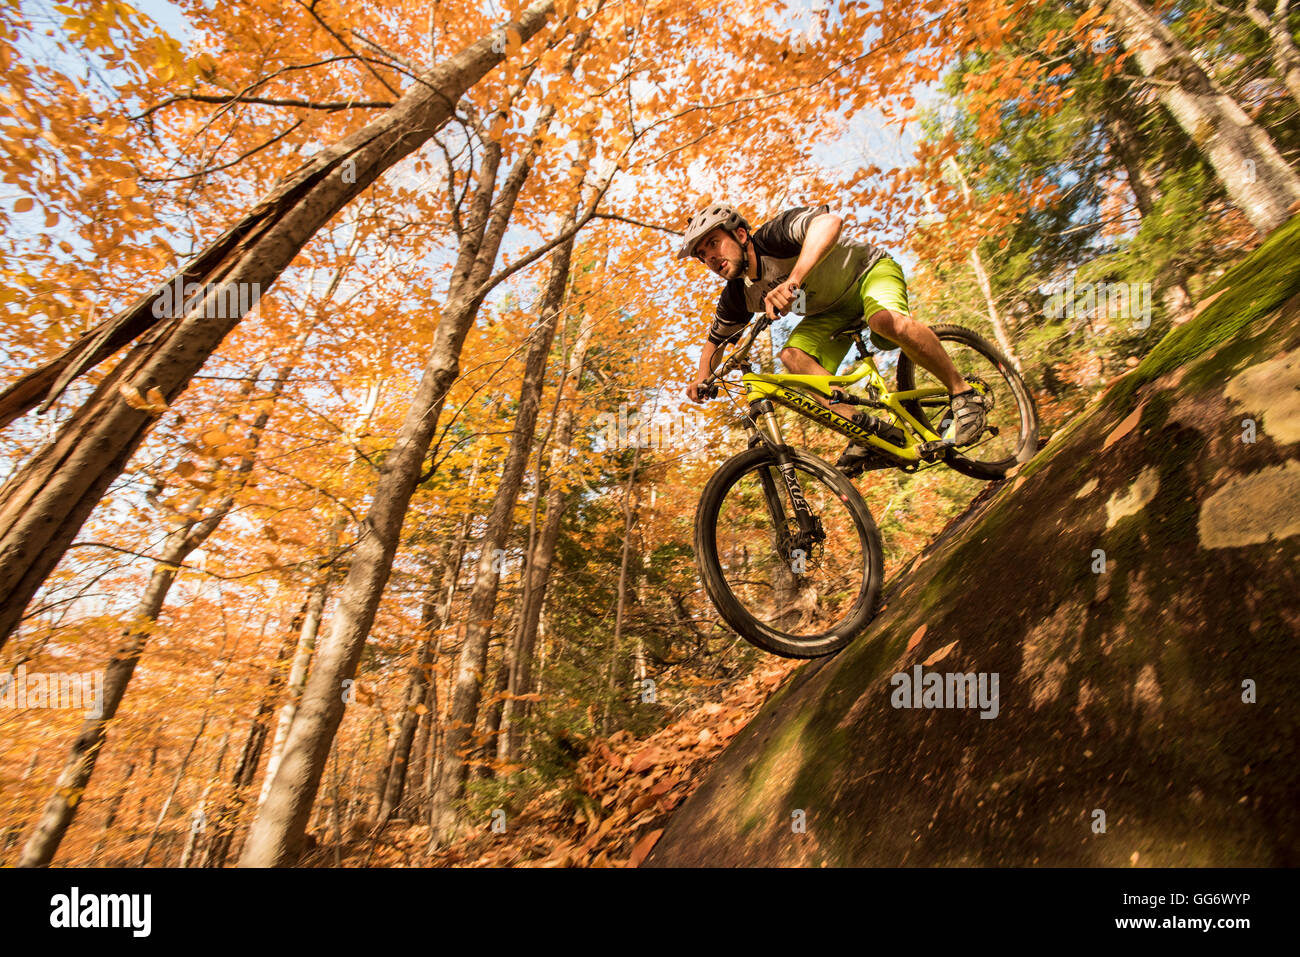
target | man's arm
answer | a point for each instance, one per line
(710, 353)
(822, 233)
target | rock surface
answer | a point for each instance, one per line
(1136, 589)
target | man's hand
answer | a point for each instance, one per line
(776, 302)
(709, 356)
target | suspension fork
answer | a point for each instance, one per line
(768, 431)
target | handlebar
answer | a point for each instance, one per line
(709, 390)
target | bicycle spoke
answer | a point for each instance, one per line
(1004, 417)
(798, 587)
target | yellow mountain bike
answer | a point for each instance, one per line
(787, 549)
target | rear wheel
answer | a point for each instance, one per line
(794, 595)
(1011, 435)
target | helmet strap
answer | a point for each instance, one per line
(744, 253)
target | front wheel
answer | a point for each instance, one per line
(789, 593)
(1011, 435)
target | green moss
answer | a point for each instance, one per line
(771, 770)
(1254, 287)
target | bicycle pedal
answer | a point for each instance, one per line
(931, 451)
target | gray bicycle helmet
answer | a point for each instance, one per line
(709, 218)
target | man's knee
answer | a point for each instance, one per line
(891, 324)
(794, 358)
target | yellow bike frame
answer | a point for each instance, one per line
(788, 390)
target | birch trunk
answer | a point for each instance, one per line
(982, 279)
(1256, 177)
(1282, 45)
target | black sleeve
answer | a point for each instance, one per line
(732, 315)
(783, 236)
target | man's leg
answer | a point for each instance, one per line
(920, 344)
(813, 349)
(884, 299)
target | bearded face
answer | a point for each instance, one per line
(717, 250)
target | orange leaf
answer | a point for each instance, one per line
(643, 848)
(916, 638)
(645, 759)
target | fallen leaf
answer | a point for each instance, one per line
(644, 759)
(941, 654)
(1124, 428)
(916, 638)
(643, 848)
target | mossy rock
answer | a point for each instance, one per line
(1136, 588)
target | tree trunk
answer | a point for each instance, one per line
(415, 792)
(297, 680)
(111, 817)
(306, 646)
(44, 505)
(467, 687)
(421, 673)
(1255, 175)
(199, 830)
(1145, 184)
(1282, 45)
(9, 836)
(537, 567)
(982, 279)
(224, 819)
(629, 519)
(277, 833)
(496, 706)
(179, 544)
(176, 783)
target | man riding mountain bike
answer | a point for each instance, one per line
(798, 258)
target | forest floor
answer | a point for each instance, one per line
(614, 808)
